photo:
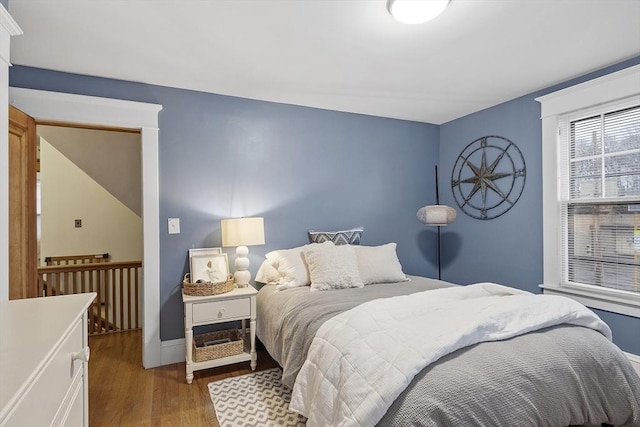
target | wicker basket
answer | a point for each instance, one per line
(216, 351)
(206, 288)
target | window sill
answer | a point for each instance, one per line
(621, 302)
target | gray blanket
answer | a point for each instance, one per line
(566, 375)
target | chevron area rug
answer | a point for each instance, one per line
(256, 399)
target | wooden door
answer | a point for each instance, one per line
(23, 276)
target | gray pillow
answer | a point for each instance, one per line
(345, 237)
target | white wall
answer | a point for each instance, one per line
(68, 193)
(110, 157)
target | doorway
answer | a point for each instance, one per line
(87, 111)
(89, 193)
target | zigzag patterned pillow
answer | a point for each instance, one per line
(346, 237)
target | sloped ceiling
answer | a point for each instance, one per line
(345, 55)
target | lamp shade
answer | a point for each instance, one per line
(242, 231)
(436, 215)
(416, 11)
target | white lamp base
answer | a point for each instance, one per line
(242, 276)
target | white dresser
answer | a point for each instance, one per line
(43, 355)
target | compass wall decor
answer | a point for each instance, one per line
(488, 177)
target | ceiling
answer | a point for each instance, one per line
(345, 55)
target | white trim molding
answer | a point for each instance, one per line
(90, 110)
(173, 351)
(621, 302)
(613, 87)
(605, 89)
(8, 23)
(8, 28)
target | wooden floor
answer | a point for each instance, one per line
(123, 393)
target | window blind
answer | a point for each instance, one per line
(600, 198)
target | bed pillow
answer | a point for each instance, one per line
(267, 273)
(291, 266)
(345, 237)
(332, 267)
(379, 264)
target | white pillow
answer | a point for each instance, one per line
(379, 264)
(267, 273)
(291, 266)
(332, 267)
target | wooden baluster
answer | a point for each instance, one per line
(129, 287)
(136, 295)
(100, 299)
(117, 287)
(92, 318)
(107, 302)
(122, 289)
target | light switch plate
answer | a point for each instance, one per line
(174, 225)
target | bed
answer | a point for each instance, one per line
(555, 376)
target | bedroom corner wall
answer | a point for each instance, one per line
(508, 249)
(300, 168)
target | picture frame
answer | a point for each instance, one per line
(204, 251)
(211, 267)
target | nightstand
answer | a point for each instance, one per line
(238, 304)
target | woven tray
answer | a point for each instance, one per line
(216, 351)
(206, 288)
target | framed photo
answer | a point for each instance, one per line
(209, 268)
(204, 251)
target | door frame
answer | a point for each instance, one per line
(47, 106)
(8, 28)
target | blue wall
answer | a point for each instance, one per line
(5, 3)
(508, 249)
(300, 168)
(305, 168)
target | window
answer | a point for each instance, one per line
(591, 186)
(600, 198)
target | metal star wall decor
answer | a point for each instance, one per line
(488, 177)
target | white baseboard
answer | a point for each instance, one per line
(635, 361)
(172, 351)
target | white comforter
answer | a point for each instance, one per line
(361, 360)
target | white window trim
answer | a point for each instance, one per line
(620, 85)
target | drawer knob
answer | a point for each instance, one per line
(220, 313)
(82, 355)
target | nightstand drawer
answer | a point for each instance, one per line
(221, 310)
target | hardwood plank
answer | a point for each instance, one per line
(123, 393)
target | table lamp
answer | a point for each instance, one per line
(242, 232)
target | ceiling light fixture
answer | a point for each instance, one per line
(416, 11)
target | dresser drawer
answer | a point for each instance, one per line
(71, 413)
(221, 310)
(41, 403)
